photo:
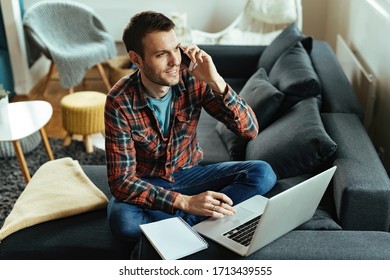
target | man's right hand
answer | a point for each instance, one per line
(209, 203)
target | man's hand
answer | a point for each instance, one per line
(209, 203)
(205, 69)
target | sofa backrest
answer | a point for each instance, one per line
(236, 64)
(234, 61)
(338, 95)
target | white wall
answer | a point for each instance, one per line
(365, 28)
(207, 15)
(314, 18)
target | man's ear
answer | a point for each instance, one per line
(135, 58)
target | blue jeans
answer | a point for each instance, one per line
(238, 180)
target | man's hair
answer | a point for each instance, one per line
(142, 24)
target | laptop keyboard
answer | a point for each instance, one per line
(243, 233)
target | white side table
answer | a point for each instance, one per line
(25, 118)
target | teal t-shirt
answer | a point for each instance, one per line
(163, 109)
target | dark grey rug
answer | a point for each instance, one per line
(11, 178)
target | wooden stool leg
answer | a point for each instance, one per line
(22, 160)
(104, 77)
(46, 143)
(88, 143)
(67, 139)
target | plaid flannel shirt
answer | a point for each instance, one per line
(136, 147)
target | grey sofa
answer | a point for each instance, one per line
(301, 134)
(352, 221)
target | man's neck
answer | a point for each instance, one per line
(153, 90)
(156, 93)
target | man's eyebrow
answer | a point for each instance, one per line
(165, 50)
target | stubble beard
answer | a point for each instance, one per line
(159, 79)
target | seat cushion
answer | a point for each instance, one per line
(296, 245)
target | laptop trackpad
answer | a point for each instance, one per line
(241, 213)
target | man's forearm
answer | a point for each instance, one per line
(219, 86)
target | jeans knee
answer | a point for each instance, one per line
(124, 231)
(122, 226)
(265, 175)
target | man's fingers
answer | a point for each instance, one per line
(220, 212)
(222, 198)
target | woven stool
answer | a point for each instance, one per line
(83, 114)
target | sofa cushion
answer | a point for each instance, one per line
(214, 149)
(288, 38)
(295, 245)
(321, 220)
(294, 75)
(295, 144)
(235, 145)
(264, 99)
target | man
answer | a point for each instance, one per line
(151, 142)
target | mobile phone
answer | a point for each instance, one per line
(186, 60)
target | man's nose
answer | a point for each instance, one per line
(175, 58)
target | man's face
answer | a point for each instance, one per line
(161, 62)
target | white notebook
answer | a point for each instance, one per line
(173, 238)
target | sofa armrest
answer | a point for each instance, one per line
(338, 95)
(361, 184)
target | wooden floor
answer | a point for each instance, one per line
(54, 129)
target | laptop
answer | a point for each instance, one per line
(259, 220)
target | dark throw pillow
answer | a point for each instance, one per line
(294, 75)
(295, 144)
(235, 144)
(264, 99)
(321, 220)
(288, 38)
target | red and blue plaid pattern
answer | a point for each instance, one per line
(136, 147)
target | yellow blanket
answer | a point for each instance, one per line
(58, 189)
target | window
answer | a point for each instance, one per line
(382, 6)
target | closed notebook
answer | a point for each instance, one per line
(173, 238)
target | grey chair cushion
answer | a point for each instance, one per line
(28, 144)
